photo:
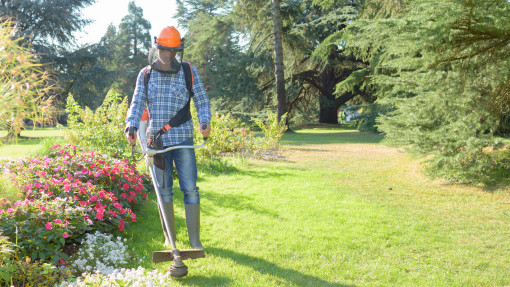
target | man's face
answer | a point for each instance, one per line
(166, 56)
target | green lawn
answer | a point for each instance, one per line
(28, 141)
(340, 209)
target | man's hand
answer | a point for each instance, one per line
(131, 138)
(205, 129)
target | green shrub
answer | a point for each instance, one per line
(103, 129)
(16, 271)
(228, 135)
(273, 131)
(42, 228)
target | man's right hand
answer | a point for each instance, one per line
(131, 138)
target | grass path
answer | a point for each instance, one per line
(340, 210)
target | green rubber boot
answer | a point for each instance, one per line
(193, 224)
(169, 210)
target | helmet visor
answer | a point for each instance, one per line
(166, 60)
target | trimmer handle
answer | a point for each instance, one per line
(204, 127)
(131, 132)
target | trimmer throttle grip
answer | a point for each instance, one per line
(204, 127)
(131, 132)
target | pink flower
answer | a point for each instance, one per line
(46, 186)
(102, 194)
(125, 186)
(49, 225)
(62, 261)
(116, 154)
(58, 221)
(38, 185)
(130, 199)
(121, 225)
(67, 188)
(99, 216)
(43, 208)
(123, 195)
(49, 193)
(65, 235)
(132, 194)
(43, 173)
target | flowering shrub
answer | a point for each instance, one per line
(43, 227)
(100, 254)
(69, 192)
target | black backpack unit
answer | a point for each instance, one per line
(183, 115)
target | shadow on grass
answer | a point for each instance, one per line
(236, 203)
(22, 141)
(340, 136)
(191, 280)
(265, 267)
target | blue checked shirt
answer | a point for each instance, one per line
(167, 95)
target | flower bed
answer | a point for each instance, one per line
(68, 193)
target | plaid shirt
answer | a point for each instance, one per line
(167, 95)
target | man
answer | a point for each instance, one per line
(162, 88)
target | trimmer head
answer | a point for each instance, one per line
(168, 255)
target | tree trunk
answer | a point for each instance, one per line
(278, 60)
(328, 108)
(328, 114)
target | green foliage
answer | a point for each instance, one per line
(41, 228)
(228, 136)
(18, 271)
(442, 89)
(101, 130)
(272, 129)
(23, 84)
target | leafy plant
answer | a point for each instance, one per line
(101, 130)
(16, 271)
(272, 129)
(69, 192)
(24, 86)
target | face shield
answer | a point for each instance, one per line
(165, 59)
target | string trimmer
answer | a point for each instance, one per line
(178, 268)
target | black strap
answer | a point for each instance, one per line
(184, 114)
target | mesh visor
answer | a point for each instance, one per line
(166, 60)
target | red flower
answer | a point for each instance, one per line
(125, 186)
(123, 195)
(49, 225)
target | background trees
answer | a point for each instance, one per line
(433, 76)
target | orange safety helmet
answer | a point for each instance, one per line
(169, 39)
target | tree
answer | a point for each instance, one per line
(212, 45)
(437, 75)
(24, 86)
(133, 43)
(281, 95)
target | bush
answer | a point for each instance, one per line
(69, 192)
(16, 272)
(42, 228)
(102, 130)
(272, 129)
(228, 135)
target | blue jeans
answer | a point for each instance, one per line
(186, 165)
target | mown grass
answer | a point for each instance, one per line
(29, 140)
(340, 210)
